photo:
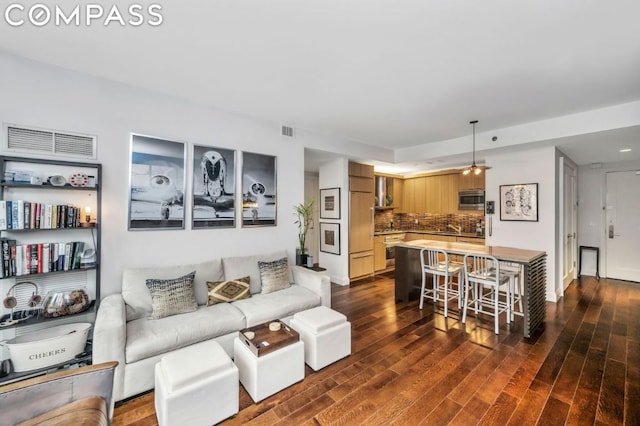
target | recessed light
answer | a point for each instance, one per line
(625, 150)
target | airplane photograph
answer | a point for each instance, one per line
(157, 184)
(213, 187)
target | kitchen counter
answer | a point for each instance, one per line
(408, 275)
(429, 232)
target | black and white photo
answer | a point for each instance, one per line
(214, 171)
(330, 237)
(258, 189)
(519, 202)
(330, 203)
(157, 184)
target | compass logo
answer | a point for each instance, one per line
(40, 15)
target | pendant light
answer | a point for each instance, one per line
(473, 169)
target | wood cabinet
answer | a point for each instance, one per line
(396, 189)
(360, 170)
(437, 194)
(361, 220)
(471, 240)
(379, 254)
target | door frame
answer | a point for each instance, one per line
(564, 164)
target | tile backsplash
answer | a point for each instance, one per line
(385, 220)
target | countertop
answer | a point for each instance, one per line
(429, 232)
(510, 254)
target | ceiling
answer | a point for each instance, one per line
(388, 73)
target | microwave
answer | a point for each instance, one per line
(472, 199)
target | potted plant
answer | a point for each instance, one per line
(304, 220)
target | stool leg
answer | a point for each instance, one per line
(424, 279)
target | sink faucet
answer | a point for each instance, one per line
(458, 229)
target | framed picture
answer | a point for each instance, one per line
(330, 203)
(330, 237)
(214, 178)
(519, 202)
(258, 190)
(156, 184)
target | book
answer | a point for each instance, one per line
(6, 244)
(32, 252)
(14, 215)
(39, 258)
(9, 214)
(46, 259)
(20, 214)
(77, 254)
(3, 215)
(47, 216)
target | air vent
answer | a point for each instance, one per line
(287, 131)
(40, 141)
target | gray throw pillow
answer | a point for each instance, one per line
(172, 297)
(274, 275)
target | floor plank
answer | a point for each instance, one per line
(412, 366)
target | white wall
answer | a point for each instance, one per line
(335, 174)
(591, 214)
(33, 94)
(531, 166)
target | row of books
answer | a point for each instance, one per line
(19, 214)
(39, 258)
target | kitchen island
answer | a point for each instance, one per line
(408, 275)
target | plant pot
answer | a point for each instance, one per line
(301, 258)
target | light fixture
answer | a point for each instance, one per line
(87, 212)
(474, 168)
(625, 150)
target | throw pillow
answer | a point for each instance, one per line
(228, 291)
(274, 275)
(173, 296)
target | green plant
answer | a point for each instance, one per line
(304, 220)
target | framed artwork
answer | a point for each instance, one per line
(156, 184)
(214, 178)
(519, 202)
(330, 237)
(330, 203)
(259, 205)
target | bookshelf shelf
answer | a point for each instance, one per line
(65, 228)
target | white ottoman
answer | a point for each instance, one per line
(267, 374)
(326, 335)
(196, 385)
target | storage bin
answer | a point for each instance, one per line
(50, 346)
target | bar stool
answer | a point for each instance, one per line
(514, 272)
(437, 263)
(483, 272)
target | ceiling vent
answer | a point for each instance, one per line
(32, 140)
(287, 131)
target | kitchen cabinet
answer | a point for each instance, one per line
(471, 181)
(379, 254)
(396, 189)
(361, 220)
(471, 240)
(361, 170)
(412, 236)
(437, 194)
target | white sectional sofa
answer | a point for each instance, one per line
(125, 333)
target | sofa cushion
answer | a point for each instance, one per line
(279, 304)
(137, 297)
(172, 296)
(228, 291)
(274, 275)
(147, 338)
(241, 266)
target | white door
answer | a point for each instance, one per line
(623, 225)
(569, 224)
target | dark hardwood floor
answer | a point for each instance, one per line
(416, 367)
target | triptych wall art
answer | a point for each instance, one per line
(158, 186)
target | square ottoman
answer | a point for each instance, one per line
(326, 335)
(262, 376)
(196, 385)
